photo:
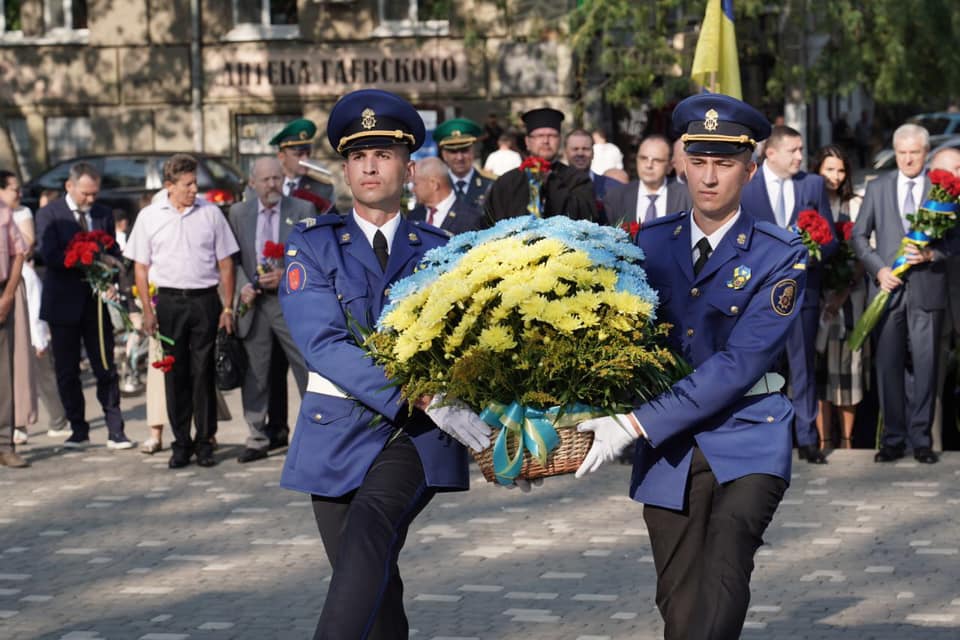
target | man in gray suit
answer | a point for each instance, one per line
(651, 196)
(255, 221)
(914, 317)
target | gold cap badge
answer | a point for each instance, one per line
(368, 118)
(712, 120)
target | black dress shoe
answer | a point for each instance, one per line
(925, 456)
(278, 443)
(206, 460)
(249, 455)
(178, 460)
(811, 454)
(888, 454)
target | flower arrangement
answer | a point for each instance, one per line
(535, 323)
(271, 258)
(537, 171)
(935, 217)
(163, 362)
(839, 270)
(631, 229)
(814, 230)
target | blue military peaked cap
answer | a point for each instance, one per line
(299, 133)
(715, 124)
(371, 118)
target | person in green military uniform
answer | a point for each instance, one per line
(456, 139)
(564, 190)
(294, 143)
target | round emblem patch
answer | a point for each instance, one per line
(296, 277)
(783, 298)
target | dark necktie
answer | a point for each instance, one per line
(462, 187)
(380, 249)
(82, 220)
(703, 245)
(651, 213)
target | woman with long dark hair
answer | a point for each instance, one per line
(841, 378)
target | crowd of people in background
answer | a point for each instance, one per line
(195, 268)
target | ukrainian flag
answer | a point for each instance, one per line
(716, 67)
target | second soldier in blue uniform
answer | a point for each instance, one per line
(712, 454)
(370, 464)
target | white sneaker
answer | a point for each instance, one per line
(59, 433)
(120, 444)
(20, 436)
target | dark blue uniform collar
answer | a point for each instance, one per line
(736, 241)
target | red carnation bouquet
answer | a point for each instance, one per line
(271, 259)
(935, 217)
(839, 271)
(814, 230)
(632, 229)
(537, 171)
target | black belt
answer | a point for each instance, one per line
(189, 293)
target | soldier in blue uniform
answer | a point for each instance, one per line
(712, 455)
(370, 464)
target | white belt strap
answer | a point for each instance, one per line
(316, 383)
(769, 383)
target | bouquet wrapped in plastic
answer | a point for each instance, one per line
(536, 324)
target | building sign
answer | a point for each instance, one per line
(305, 71)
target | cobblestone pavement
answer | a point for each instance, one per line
(103, 544)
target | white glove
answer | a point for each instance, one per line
(610, 436)
(523, 484)
(459, 420)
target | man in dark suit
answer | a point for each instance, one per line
(651, 196)
(564, 191)
(294, 143)
(777, 193)
(578, 152)
(438, 204)
(914, 316)
(456, 139)
(77, 318)
(268, 217)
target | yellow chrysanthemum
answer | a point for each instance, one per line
(496, 338)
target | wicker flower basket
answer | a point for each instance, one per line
(566, 458)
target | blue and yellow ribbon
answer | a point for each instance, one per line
(940, 207)
(524, 429)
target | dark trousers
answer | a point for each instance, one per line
(907, 410)
(278, 427)
(191, 322)
(363, 533)
(704, 554)
(801, 359)
(66, 341)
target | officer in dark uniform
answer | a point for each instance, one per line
(295, 142)
(566, 191)
(712, 455)
(456, 139)
(370, 464)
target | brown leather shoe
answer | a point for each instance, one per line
(13, 459)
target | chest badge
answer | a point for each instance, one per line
(741, 239)
(741, 276)
(412, 237)
(783, 297)
(344, 238)
(677, 231)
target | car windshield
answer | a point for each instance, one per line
(125, 172)
(936, 125)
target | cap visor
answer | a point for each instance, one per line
(716, 148)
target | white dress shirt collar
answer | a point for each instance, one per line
(773, 183)
(389, 229)
(76, 212)
(443, 208)
(643, 200)
(714, 238)
(467, 178)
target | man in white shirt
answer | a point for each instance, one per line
(606, 155)
(504, 158)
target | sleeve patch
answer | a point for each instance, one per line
(296, 277)
(783, 297)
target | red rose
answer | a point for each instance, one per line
(940, 177)
(86, 258)
(845, 230)
(815, 225)
(273, 250)
(70, 258)
(536, 164)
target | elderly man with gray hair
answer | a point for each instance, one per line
(256, 221)
(913, 321)
(438, 204)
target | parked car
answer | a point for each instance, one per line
(128, 179)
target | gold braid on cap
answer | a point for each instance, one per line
(716, 137)
(396, 134)
(457, 141)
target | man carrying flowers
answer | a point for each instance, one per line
(914, 311)
(369, 462)
(712, 454)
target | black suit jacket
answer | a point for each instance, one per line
(567, 192)
(65, 293)
(620, 202)
(462, 217)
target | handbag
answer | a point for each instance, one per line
(230, 361)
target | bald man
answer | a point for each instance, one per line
(255, 221)
(438, 204)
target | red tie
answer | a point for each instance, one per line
(431, 211)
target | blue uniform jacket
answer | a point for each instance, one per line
(809, 193)
(731, 331)
(333, 280)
